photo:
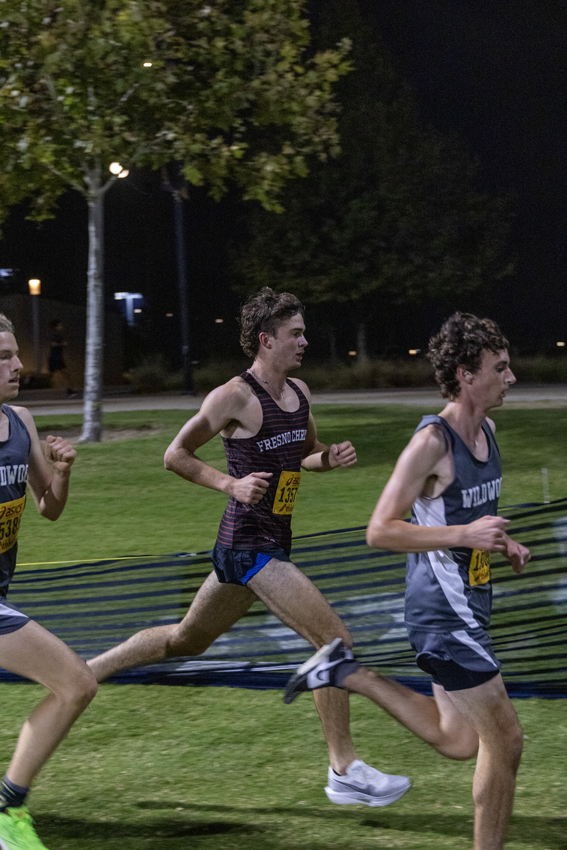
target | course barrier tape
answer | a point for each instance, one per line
(95, 605)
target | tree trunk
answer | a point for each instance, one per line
(92, 412)
(361, 347)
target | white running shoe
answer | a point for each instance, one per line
(365, 784)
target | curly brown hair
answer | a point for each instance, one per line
(265, 312)
(6, 325)
(460, 342)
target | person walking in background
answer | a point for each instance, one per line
(26, 648)
(56, 360)
(449, 476)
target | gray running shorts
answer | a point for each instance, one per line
(456, 660)
(11, 618)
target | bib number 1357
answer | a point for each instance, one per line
(286, 492)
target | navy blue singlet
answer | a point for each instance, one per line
(14, 457)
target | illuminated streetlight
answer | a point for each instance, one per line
(116, 169)
(352, 353)
(414, 350)
(35, 289)
(147, 64)
(561, 344)
(219, 321)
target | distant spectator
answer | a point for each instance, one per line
(56, 361)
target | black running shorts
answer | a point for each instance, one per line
(238, 566)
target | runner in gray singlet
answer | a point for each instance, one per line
(449, 477)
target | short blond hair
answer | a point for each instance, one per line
(6, 325)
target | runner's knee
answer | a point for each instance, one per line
(80, 688)
(506, 740)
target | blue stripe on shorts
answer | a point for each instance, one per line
(262, 558)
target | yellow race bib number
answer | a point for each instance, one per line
(286, 492)
(10, 517)
(479, 567)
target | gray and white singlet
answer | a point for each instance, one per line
(449, 590)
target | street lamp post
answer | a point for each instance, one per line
(179, 194)
(35, 290)
(188, 384)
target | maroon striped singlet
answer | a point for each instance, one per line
(276, 448)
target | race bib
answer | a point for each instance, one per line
(286, 492)
(10, 516)
(479, 567)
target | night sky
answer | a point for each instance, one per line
(495, 72)
(492, 71)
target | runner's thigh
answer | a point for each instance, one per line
(216, 607)
(295, 600)
(453, 724)
(37, 654)
(487, 708)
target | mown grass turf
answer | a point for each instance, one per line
(123, 502)
(177, 768)
(173, 768)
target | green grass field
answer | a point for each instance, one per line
(123, 502)
(227, 769)
(175, 768)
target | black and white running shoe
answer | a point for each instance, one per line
(321, 670)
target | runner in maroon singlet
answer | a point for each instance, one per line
(280, 442)
(270, 437)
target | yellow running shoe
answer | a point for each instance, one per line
(17, 832)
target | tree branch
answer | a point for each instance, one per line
(66, 179)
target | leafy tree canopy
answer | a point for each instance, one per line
(222, 87)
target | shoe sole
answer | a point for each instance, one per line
(342, 798)
(324, 652)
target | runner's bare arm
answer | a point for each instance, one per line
(222, 407)
(319, 457)
(49, 473)
(517, 555)
(418, 464)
